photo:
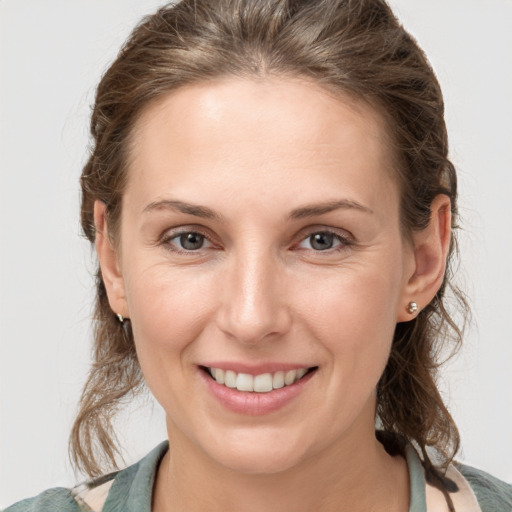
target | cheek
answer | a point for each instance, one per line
(168, 304)
(168, 312)
(354, 316)
(355, 301)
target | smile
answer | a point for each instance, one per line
(262, 383)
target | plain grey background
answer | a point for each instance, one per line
(52, 53)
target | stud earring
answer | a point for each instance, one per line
(412, 307)
(120, 318)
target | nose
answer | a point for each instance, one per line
(254, 305)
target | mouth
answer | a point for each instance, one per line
(262, 383)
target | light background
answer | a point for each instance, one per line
(52, 54)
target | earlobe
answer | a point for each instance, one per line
(109, 262)
(431, 247)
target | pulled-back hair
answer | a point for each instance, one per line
(356, 47)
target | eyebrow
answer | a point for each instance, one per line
(180, 206)
(299, 213)
(322, 208)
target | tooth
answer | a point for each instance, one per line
(245, 382)
(278, 380)
(290, 376)
(230, 379)
(219, 375)
(263, 383)
(301, 373)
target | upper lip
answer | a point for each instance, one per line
(255, 369)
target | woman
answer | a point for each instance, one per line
(271, 203)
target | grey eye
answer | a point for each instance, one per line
(191, 241)
(322, 241)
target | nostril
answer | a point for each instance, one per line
(251, 309)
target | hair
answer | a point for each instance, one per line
(356, 47)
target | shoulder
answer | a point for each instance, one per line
(493, 495)
(87, 497)
(130, 488)
(52, 500)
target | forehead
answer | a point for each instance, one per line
(261, 132)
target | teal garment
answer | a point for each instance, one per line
(493, 495)
(133, 487)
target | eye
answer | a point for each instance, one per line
(188, 241)
(323, 241)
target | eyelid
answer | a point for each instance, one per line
(172, 233)
(345, 238)
(339, 232)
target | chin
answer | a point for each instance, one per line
(258, 455)
(259, 463)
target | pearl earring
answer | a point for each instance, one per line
(412, 307)
(120, 318)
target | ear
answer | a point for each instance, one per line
(430, 247)
(109, 262)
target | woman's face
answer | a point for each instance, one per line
(260, 234)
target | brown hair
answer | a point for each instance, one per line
(354, 46)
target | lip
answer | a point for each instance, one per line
(250, 403)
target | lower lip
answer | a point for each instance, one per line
(252, 403)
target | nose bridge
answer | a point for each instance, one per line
(253, 305)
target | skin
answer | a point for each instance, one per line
(254, 152)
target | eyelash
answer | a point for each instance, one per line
(167, 240)
(344, 241)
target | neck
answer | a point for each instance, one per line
(352, 477)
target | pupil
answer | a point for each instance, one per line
(322, 241)
(191, 241)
